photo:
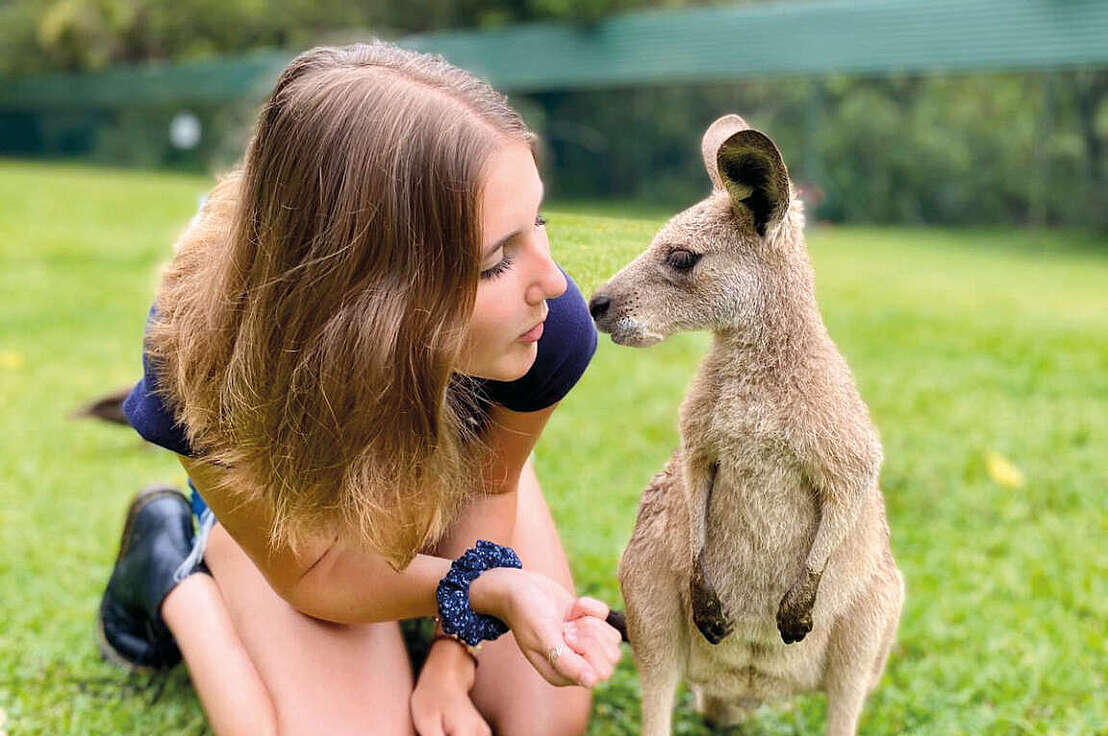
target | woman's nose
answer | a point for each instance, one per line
(557, 279)
(550, 283)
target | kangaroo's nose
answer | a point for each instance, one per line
(598, 306)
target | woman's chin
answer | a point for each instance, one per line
(511, 366)
(518, 361)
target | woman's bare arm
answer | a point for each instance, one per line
(324, 590)
(510, 438)
(329, 581)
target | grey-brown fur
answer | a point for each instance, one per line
(767, 525)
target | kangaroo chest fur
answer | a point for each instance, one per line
(761, 518)
(761, 514)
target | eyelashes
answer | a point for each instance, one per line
(499, 268)
(506, 262)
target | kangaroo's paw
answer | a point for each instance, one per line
(707, 609)
(794, 614)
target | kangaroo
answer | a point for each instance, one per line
(760, 565)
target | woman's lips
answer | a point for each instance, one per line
(532, 334)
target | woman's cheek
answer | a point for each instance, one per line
(483, 342)
(499, 316)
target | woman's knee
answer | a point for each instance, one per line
(566, 714)
(378, 726)
(322, 678)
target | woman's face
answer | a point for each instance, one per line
(517, 273)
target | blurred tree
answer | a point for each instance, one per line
(79, 35)
(958, 149)
(83, 35)
(988, 147)
(1091, 90)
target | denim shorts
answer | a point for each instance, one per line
(198, 504)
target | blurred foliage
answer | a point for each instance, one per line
(986, 148)
(957, 149)
(79, 35)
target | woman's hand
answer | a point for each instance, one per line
(565, 638)
(440, 702)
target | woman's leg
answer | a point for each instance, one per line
(257, 662)
(510, 694)
(235, 699)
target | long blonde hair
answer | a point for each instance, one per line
(309, 323)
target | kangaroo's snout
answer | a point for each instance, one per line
(613, 316)
(598, 305)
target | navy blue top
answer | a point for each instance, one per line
(567, 344)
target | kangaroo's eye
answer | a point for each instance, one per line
(682, 260)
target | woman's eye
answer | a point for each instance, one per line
(498, 269)
(682, 260)
(506, 262)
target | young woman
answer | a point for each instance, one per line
(354, 350)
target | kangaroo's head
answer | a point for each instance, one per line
(713, 265)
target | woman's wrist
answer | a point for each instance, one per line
(456, 610)
(448, 661)
(490, 593)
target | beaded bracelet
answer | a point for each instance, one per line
(456, 615)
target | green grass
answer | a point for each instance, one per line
(963, 343)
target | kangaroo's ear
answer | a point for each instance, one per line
(750, 168)
(717, 133)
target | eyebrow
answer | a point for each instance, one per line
(507, 238)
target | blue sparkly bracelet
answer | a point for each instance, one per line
(456, 614)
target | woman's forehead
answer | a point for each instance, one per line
(512, 193)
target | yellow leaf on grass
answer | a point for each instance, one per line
(1003, 471)
(10, 359)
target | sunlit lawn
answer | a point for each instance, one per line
(974, 350)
